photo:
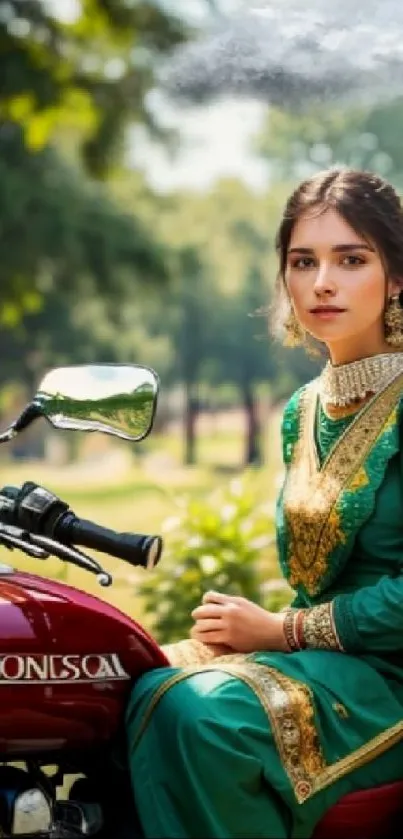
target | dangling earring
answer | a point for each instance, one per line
(394, 320)
(295, 336)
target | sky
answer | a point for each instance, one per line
(216, 138)
(216, 143)
(339, 53)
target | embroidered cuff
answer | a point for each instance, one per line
(319, 628)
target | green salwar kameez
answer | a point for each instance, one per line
(262, 745)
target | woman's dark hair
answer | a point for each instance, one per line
(367, 203)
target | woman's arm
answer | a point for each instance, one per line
(371, 619)
(367, 620)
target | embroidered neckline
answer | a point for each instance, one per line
(323, 506)
(311, 414)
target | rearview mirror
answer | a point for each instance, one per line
(117, 399)
(112, 398)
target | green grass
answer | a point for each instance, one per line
(138, 498)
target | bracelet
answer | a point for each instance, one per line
(299, 629)
(312, 628)
(290, 629)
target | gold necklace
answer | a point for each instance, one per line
(346, 384)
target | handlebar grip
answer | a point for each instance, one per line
(135, 548)
(40, 511)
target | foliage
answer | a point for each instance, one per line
(71, 229)
(295, 144)
(70, 89)
(223, 542)
(94, 70)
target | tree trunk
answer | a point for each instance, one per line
(253, 450)
(191, 413)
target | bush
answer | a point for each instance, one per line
(225, 542)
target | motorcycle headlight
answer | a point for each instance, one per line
(32, 813)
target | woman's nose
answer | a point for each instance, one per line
(323, 279)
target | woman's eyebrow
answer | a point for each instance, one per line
(344, 248)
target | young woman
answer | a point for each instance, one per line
(305, 705)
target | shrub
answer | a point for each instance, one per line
(225, 542)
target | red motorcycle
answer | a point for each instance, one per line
(68, 660)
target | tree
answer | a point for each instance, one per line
(100, 66)
(191, 340)
(239, 353)
(223, 272)
(56, 230)
(296, 145)
(89, 76)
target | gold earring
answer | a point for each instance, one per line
(394, 320)
(295, 336)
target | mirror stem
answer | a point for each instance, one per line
(30, 413)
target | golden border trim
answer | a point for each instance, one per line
(375, 747)
(159, 693)
(290, 709)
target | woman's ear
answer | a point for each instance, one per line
(394, 287)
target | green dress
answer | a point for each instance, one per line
(262, 745)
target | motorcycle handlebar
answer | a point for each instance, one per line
(39, 511)
(135, 548)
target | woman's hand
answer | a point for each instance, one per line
(237, 623)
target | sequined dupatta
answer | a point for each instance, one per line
(322, 506)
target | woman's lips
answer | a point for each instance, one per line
(327, 313)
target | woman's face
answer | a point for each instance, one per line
(336, 282)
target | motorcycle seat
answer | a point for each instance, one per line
(373, 813)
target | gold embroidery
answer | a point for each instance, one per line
(290, 710)
(319, 629)
(392, 419)
(188, 651)
(341, 710)
(364, 754)
(312, 491)
(175, 679)
(360, 480)
(289, 706)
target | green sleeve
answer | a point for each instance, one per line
(371, 619)
(367, 620)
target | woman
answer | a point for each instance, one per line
(305, 705)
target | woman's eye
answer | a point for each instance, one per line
(303, 262)
(352, 260)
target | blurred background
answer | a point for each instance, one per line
(146, 151)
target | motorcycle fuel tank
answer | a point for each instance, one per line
(67, 661)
